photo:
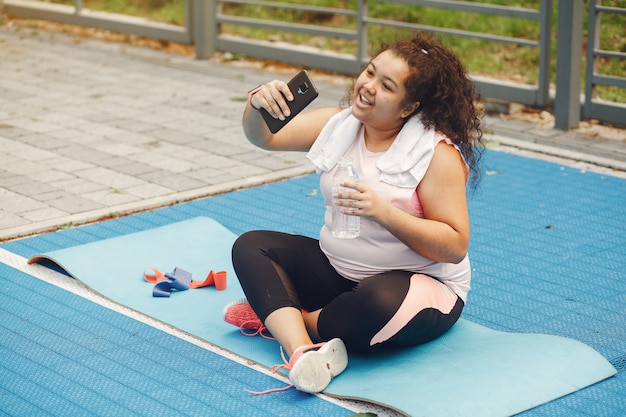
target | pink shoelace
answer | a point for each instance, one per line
(287, 364)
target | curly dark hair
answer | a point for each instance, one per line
(448, 98)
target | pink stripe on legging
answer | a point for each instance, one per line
(424, 292)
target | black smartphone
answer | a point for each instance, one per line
(304, 92)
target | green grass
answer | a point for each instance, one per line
(165, 11)
(500, 60)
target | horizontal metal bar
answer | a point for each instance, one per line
(456, 32)
(473, 7)
(609, 9)
(301, 56)
(507, 91)
(610, 112)
(288, 27)
(292, 6)
(608, 80)
(100, 20)
(609, 54)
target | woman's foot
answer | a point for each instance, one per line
(239, 313)
(312, 367)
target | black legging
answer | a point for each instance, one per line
(283, 270)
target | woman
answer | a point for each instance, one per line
(411, 131)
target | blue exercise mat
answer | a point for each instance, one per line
(64, 355)
(470, 371)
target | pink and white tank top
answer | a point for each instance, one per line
(376, 250)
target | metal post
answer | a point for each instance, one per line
(545, 53)
(204, 26)
(568, 64)
(593, 44)
(362, 33)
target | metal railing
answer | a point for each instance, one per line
(594, 108)
(537, 96)
(79, 16)
(205, 20)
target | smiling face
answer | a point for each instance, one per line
(379, 92)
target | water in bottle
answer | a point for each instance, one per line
(345, 226)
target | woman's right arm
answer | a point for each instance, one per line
(297, 135)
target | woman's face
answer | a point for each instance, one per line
(379, 92)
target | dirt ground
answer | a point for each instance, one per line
(542, 119)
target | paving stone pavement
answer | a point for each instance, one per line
(90, 129)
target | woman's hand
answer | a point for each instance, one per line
(360, 201)
(297, 135)
(273, 97)
(443, 234)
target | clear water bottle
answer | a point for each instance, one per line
(345, 226)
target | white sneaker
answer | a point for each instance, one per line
(312, 367)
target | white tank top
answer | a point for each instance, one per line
(376, 250)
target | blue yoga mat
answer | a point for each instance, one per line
(470, 371)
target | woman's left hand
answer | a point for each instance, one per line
(360, 201)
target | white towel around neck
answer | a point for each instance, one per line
(403, 164)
